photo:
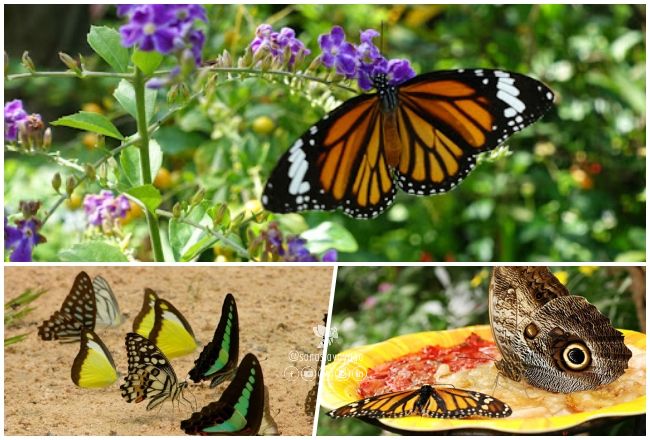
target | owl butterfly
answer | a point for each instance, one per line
(551, 339)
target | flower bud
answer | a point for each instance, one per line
(70, 185)
(90, 171)
(27, 62)
(47, 138)
(226, 59)
(221, 216)
(177, 210)
(70, 62)
(29, 208)
(198, 197)
(56, 182)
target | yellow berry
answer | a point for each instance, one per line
(263, 125)
(73, 202)
(163, 179)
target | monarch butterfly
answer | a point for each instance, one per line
(150, 375)
(94, 366)
(161, 323)
(218, 360)
(427, 401)
(239, 410)
(422, 136)
(108, 311)
(77, 312)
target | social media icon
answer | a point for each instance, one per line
(291, 373)
(308, 373)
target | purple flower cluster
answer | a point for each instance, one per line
(104, 209)
(279, 45)
(163, 28)
(21, 239)
(16, 118)
(362, 62)
(293, 249)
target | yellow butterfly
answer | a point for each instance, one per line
(162, 324)
(94, 366)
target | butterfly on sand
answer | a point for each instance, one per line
(150, 375)
(161, 323)
(239, 410)
(426, 401)
(422, 136)
(94, 366)
(218, 360)
(108, 311)
(77, 312)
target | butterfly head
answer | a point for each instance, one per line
(386, 91)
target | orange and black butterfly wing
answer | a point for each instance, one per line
(427, 401)
(446, 118)
(399, 404)
(338, 163)
(455, 403)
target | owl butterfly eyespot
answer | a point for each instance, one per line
(551, 339)
(421, 136)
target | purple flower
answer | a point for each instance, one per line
(363, 62)
(15, 115)
(104, 209)
(21, 240)
(163, 28)
(276, 43)
(293, 249)
(338, 53)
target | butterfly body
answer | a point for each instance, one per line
(218, 360)
(150, 374)
(421, 136)
(78, 312)
(239, 410)
(94, 366)
(426, 401)
(549, 338)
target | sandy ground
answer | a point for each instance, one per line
(278, 307)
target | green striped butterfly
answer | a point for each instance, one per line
(77, 312)
(94, 366)
(108, 311)
(150, 375)
(239, 410)
(218, 360)
(161, 323)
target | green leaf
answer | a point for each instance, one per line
(15, 339)
(186, 241)
(148, 195)
(148, 62)
(125, 95)
(329, 235)
(130, 161)
(90, 121)
(106, 42)
(93, 251)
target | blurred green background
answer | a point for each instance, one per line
(372, 304)
(569, 188)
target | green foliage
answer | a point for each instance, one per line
(569, 188)
(16, 309)
(375, 304)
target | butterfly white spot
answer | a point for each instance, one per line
(519, 119)
(549, 96)
(265, 199)
(296, 145)
(478, 72)
(313, 130)
(509, 112)
(486, 81)
(312, 142)
(509, 89)
(501, 74)
(299, 200)
(515, 103)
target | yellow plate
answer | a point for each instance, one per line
(342, 376)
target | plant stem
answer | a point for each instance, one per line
(145, 163)
(235, 246)
(69, 74)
